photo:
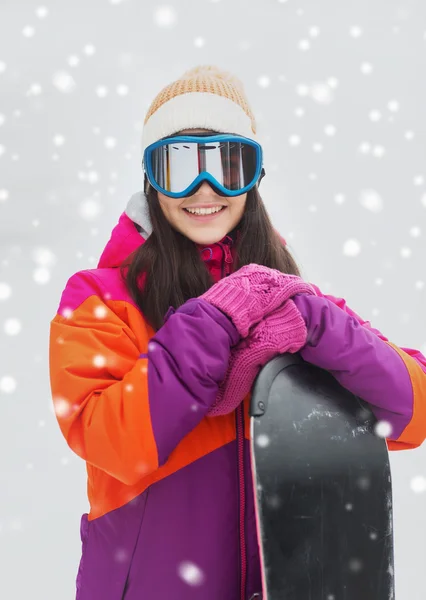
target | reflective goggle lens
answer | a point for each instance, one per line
(175, 164)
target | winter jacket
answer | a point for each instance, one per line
(170, 490)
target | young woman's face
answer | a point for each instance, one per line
(203, 229)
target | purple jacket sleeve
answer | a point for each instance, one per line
(362, 361)
(187, 359)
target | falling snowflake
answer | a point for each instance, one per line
(351, 248)
(332, 82)
(366, 68)
(44, 257)
(5, 291)
(64, 82)
(41, 275)
(122, 90)
(99, 361)
(262, 441)
(42, 12)
(322, 93)
(383, 429)
(12, 326)
(415, 231)
(165, 16)
(375, 115)
(302, 89)
(110, 142)
(304, 45)
(73, 60)
(355, 31)
(61, 406)
(67, 313)
(90, 176)
(7, 384)
(294, 140)
(102, 91)
(58, 140)
(121, 555)
(365, 148)
(34, 90)
(264, 81)
(199, 42)
(28, 31)
(418, 484)
(364, 483)
(371, 200)
(100, 311)
(191, 574)
(355, 565)
(379, 151)
(89, 49)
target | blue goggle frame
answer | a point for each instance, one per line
(205, 175)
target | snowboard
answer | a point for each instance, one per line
(322, 488)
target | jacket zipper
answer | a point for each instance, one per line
(239, 416)
(228, 259)
(242, 495)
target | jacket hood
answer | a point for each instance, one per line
(125, 238)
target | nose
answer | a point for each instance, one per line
(206, 187)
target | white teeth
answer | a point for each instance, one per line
(204, 211)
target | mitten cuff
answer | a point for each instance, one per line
(286, 329)
(233, 302)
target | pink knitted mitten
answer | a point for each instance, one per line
(281, 331)
(252, 292)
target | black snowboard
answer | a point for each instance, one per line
(323, 488)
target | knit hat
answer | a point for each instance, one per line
(203, 98)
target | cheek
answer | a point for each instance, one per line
(167, 207)
(240, 207)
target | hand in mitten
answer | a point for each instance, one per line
(282, 331)
(252, 292)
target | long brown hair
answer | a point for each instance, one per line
(172, 266)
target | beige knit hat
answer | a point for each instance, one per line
(204, 97)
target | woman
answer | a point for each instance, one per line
(153, 353)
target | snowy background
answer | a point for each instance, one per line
(339, 94)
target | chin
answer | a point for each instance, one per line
(206, 238)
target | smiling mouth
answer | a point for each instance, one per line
(205, 211)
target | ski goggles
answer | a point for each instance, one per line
(177, 166)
